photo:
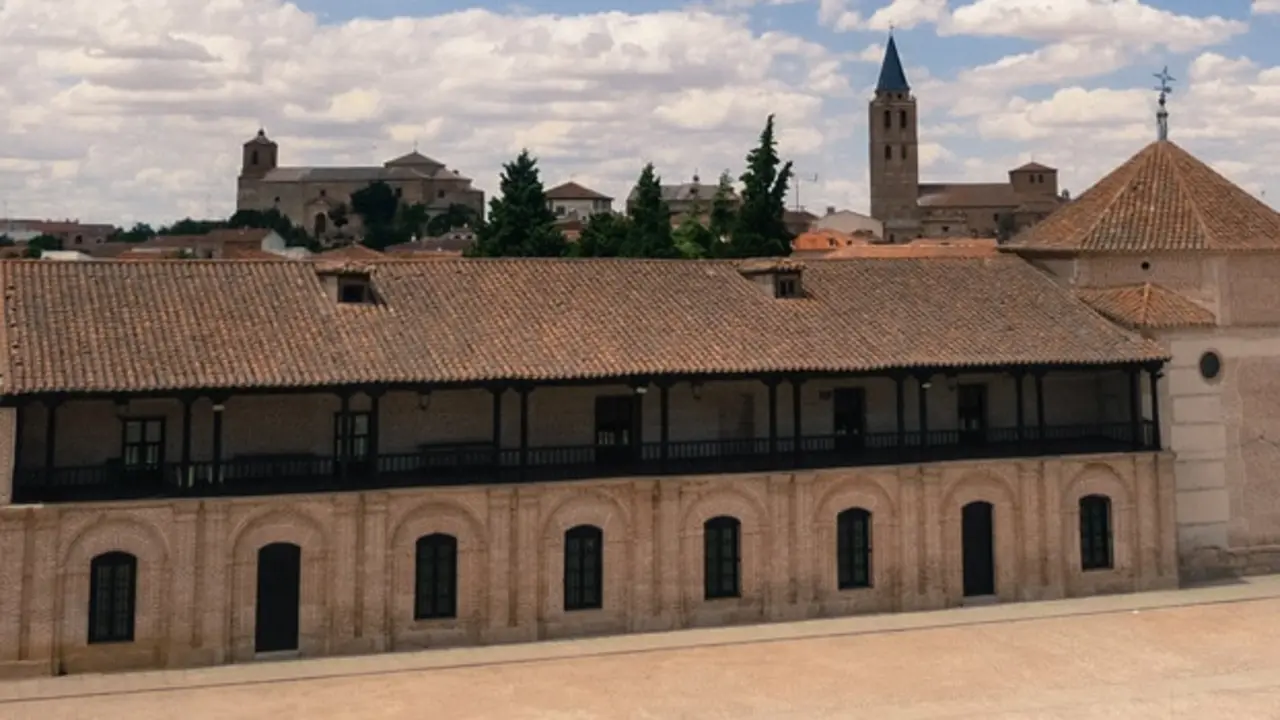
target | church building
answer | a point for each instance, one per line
(309, 195)
(911, 209)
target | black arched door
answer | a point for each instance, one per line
(279, 581)
(978, 538)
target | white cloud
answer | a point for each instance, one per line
(837, 15)
(907, 14)
(123, 109)
(1266, 7)
(1120, 21)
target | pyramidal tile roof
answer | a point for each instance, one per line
(1147, 306)
(1162, 199)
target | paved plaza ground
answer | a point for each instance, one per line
(1204, 653)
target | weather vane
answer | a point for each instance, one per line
(1162, 116)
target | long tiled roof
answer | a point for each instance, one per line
(137, 326)
(1147, 306)
(1162, 199)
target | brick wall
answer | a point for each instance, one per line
(196, 590)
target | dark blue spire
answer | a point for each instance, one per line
(892, 78)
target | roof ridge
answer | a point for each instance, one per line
(1190, 198)
(1133, 166)
(1146, 301)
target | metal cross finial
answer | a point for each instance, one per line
(1162, 116)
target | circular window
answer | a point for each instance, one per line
(1146, 265)
(1210, 365)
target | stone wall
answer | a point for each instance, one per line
(197, 558)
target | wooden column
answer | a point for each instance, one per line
(218, 410)
(1135, 408)
(1018, 377)
(524, 430)
(498, 393)
(187, 402)
(1153, 373)
(374, 397)
(664, 424)
(50, 439)
(797, 417)
(1039, 375)
(772, 384)
(923, 380)
(900, 393)
(344, 436)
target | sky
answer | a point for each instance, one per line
(135, 110)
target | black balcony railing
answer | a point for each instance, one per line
(479, 463)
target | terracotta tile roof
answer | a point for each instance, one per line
(350, 252)
(236, 252)
(135, 326)
(1147, 306)
(824, 240)
(1162, 199)
(573, 191)
(920, 248)
(948, 195)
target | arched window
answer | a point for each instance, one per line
(888, 119)
(253, 158)
(721, 537)
(320, 225)
(904, 152)
(853, 548)
(113, 579)
(902, 119)
(1095, 533)
(888, 152)
(583, 568)
(435, 586)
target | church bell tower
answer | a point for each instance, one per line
(894, 159)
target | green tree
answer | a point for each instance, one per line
(650, 232)
(188, 226)
(37, 245)
(413, 220)
(378, 204)
(340, 216)
(604, 235)
(136, 234)
(455, 216)
(759, 230)
(520, 224)
(724, 211)
(694, 240)
(1006, 226)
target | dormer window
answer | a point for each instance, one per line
(786, 286)
(354, 290)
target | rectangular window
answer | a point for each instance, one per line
(888, 152)
(904, 152)
(722, 558)
(888, 119)
(351, 437)
(112, 578)
(902, 119)
(786, 286)
(583, 568)
(435, 593)
(143, 444)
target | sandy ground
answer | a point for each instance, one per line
(1203, 661)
